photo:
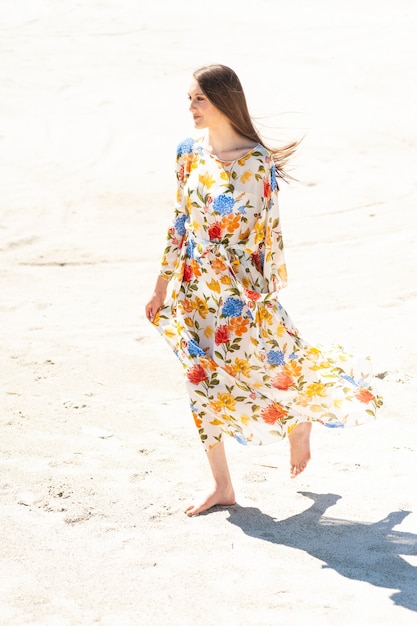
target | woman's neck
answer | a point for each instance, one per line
(226, 143)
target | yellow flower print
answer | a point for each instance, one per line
(225, 175)
(194, 158)
(242, 366)
(244, 235)
(303, 400)
(208, 332)
(316, 408)
(282, 273)
(227, 400)
(246, 176)
(320, 366)
(214, 285)
(313, 352)
(188, 321)
(259, 232)
(225, 280)
(201, 306)
(264, 315)
(316, 389)
(206, 180)
(243, 160)
(280, 329)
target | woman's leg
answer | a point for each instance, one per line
(299, 438)
(222, 491)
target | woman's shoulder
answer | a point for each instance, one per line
(261, 151)
(186, 146)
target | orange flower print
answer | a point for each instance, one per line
(267, 188)
(272, 413)
(293, 368)
(197, 420)
(208, 363)
(222, 335)
(231, 222)
(196, 374)
(363, 395)
(230, 369)
(196, 268)
(282, 381)
(238, 325)
(185, 306)
(218, 265)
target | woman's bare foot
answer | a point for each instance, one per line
(299, 439)
(222, 496)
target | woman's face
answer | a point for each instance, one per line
(204, 113)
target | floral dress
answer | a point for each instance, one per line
(248, 372)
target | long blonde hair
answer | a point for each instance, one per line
(222, 87)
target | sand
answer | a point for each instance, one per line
(98, 452)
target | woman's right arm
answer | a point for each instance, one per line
(157, 299)
(175, 234)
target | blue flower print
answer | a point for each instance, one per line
(194, 349)
(185, 146)
(190, 248)
(180, 225)
(223, 204)
(242, 210)
(275, 357)
(350, 380)
(232, 307)
(241, 439)
(274, 182)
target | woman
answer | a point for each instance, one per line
(248, 372)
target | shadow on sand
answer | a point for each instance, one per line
(360, 551)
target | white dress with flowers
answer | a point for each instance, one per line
(248, 371)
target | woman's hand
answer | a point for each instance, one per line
(157, 299)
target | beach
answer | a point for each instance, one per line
(99, 455)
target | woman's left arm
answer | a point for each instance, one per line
(275, 270)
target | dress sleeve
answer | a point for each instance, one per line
(275, 271)
(176, 230)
